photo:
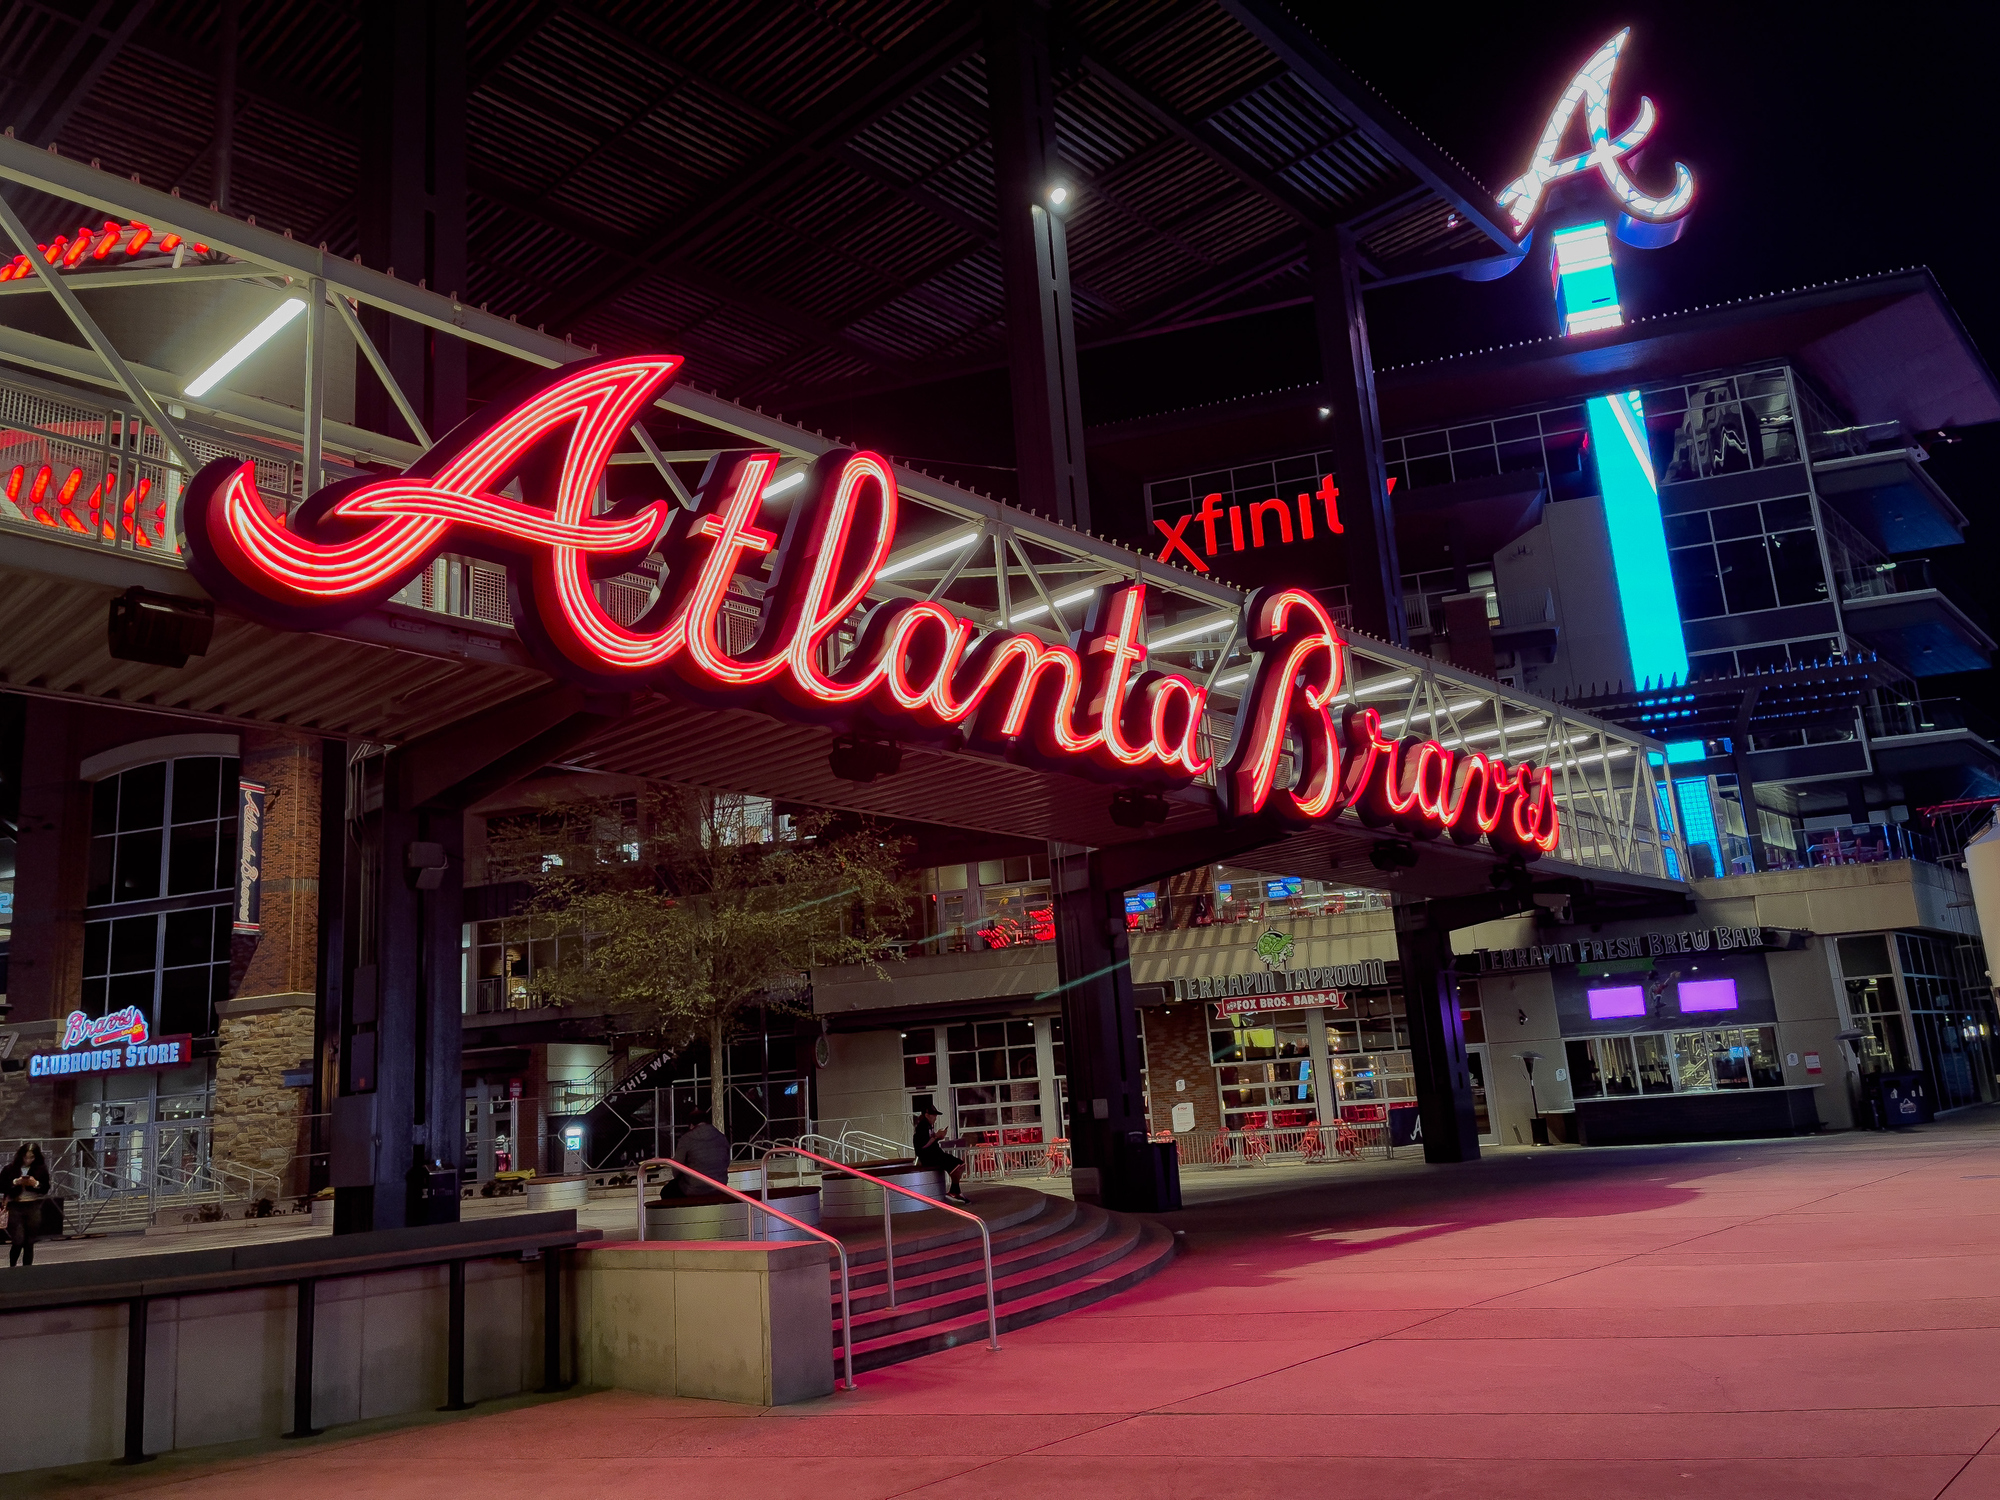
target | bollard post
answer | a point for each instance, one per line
(135, 1384)
(454, 1399)
(302, 1364)
(552, 1320)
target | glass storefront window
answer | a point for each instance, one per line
(507, 955)
(1263, 1070)
(1653, 1064)
(1688, 1062)
(163, 846)
(920, 1064)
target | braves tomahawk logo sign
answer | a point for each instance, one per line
(1590, 92)
(917, 670)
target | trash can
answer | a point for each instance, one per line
(1905, 1099)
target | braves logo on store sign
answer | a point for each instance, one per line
(917, 670)
(127, 1025)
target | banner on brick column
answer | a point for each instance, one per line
(249, 857)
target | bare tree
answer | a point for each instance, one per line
(690, 906)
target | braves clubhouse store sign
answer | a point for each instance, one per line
(918, 671)
(116, 1043)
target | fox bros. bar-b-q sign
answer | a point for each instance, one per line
(918, 671)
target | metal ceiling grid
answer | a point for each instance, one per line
(1016, 571)
(633, 165)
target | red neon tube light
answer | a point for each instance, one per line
(916, 669)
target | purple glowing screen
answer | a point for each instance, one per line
(1626, 1000)
(1707, 994)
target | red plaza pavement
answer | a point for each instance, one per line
(1815, 1318)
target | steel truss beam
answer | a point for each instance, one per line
(1607, 790)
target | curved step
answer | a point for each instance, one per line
(1109, 1238)
(967, 1270)
(1152, 1249)
(1001, 1207)
(963, 1252)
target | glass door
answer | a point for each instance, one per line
(1475, 1065)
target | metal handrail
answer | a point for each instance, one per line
(867, 1140)
(888, 1234)
(846, 1304)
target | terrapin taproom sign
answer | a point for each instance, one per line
(918, 671)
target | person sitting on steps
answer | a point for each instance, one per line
(931, 1153)
(706, 1150)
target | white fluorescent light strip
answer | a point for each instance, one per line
(1063, 602)
(1205, 627)
(1380, 685)
(246, 346)
(929, 554)
(1232, 679)
(790, 482)
(1390, 727)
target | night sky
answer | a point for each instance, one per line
(1826, 141)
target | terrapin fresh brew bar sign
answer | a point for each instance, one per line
(1644, 945)
(918, 671)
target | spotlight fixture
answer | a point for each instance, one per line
(159, 629)
(1135, 809)
(858, 758)
(1325, 412)
(1058, 195)
(1392, 857)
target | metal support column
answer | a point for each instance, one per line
(1112, 1164)
(1034, 262)
(313, 450)
(1354, 434)
(1437, 1036)
(413, 196)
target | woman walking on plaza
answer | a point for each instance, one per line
(27, 1185)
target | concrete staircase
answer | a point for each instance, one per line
(1050, 1256)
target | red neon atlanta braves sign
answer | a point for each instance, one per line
(917, 670)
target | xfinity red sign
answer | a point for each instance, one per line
(917, 671)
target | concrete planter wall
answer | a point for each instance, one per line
(844, 1197)
(725, 1322)
(559, 1192)
(219, 1365)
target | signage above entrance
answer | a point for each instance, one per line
(1287, 988)
(916, 670)
(117, 1043)
(1253, 1004)
(1642, 946)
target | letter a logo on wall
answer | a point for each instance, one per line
(917, 669)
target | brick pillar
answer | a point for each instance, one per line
(1177, 1048)
(266, 1028)
(52, 866)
